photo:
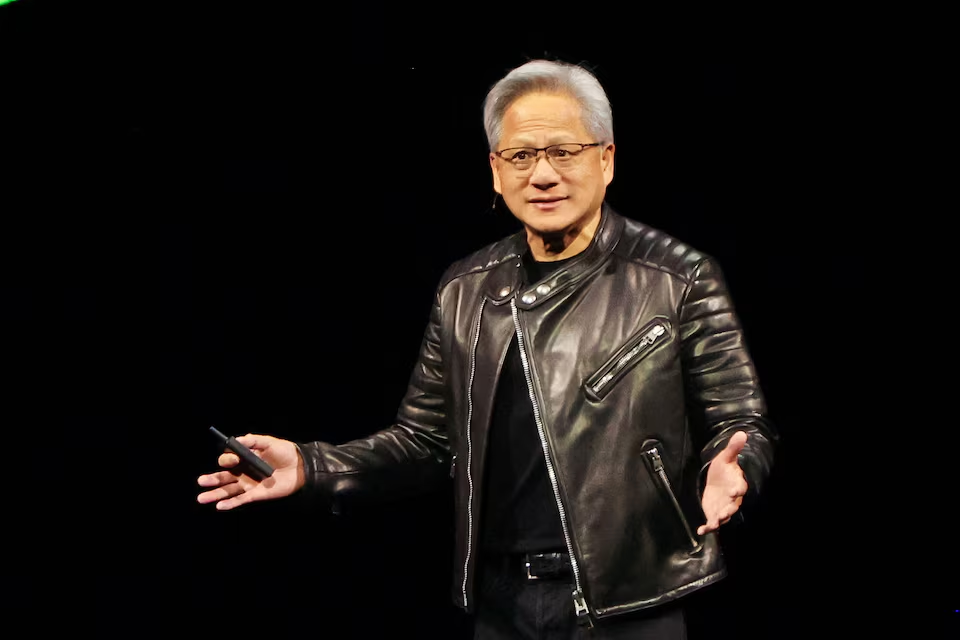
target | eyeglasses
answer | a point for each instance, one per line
(560, 156)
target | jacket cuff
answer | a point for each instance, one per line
(315, 492)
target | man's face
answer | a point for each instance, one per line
(544, 200)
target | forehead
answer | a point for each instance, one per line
(536, 117)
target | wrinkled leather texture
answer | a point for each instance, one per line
(686, 391)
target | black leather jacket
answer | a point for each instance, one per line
(639, 375)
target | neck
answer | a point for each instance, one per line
(566, 243)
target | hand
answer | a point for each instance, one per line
(725, 487)
(232, 488)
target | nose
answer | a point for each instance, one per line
(543, 175)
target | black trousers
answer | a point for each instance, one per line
(510, 607)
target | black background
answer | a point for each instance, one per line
(236, 214)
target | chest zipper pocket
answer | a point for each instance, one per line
(652, 451)
(638, 347)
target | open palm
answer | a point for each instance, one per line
(232, 488)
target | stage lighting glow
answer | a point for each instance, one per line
(3, 2)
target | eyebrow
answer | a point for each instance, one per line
(550, 141)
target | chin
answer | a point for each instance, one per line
(544, 227)
(550, 229)
(551, 222)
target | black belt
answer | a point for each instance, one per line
(544, 566)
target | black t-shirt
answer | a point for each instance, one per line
(520, 513)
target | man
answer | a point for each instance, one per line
(586, 384)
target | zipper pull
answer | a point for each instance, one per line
(657, 460)
(453, 466)
(580, 606)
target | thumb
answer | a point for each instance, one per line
(734, 447)
(253, 441)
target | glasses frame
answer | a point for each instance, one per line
(537, 150)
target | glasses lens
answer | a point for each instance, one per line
(521, 159)
(561, 156)
(564, 155)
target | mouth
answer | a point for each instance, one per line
(547, 203)
(547, 199)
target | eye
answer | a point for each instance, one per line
(520, 155)
(566, 151)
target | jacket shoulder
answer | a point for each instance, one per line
(643, 244)
(485, 259)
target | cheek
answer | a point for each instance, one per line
(580, 181)
(595, 180)
(515, 185)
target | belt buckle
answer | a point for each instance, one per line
(547, 565)
(526, 562)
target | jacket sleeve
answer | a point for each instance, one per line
(402, 459)
(723, 388)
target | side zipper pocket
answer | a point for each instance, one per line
(666, 489)
(641, 344)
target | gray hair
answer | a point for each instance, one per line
(547, 76)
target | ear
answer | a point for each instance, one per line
(496, 174)
(606, 162)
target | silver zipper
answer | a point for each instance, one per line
(473, 371)
(579, 602)
(654, 454)
(648, 339)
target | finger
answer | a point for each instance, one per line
(734, 446)
(728, 512)
(252, 441)
(712, 524)
(739, 489)
(234, 502)
(228, 460)
(216, 479)
(220, 493)
(723, 517)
